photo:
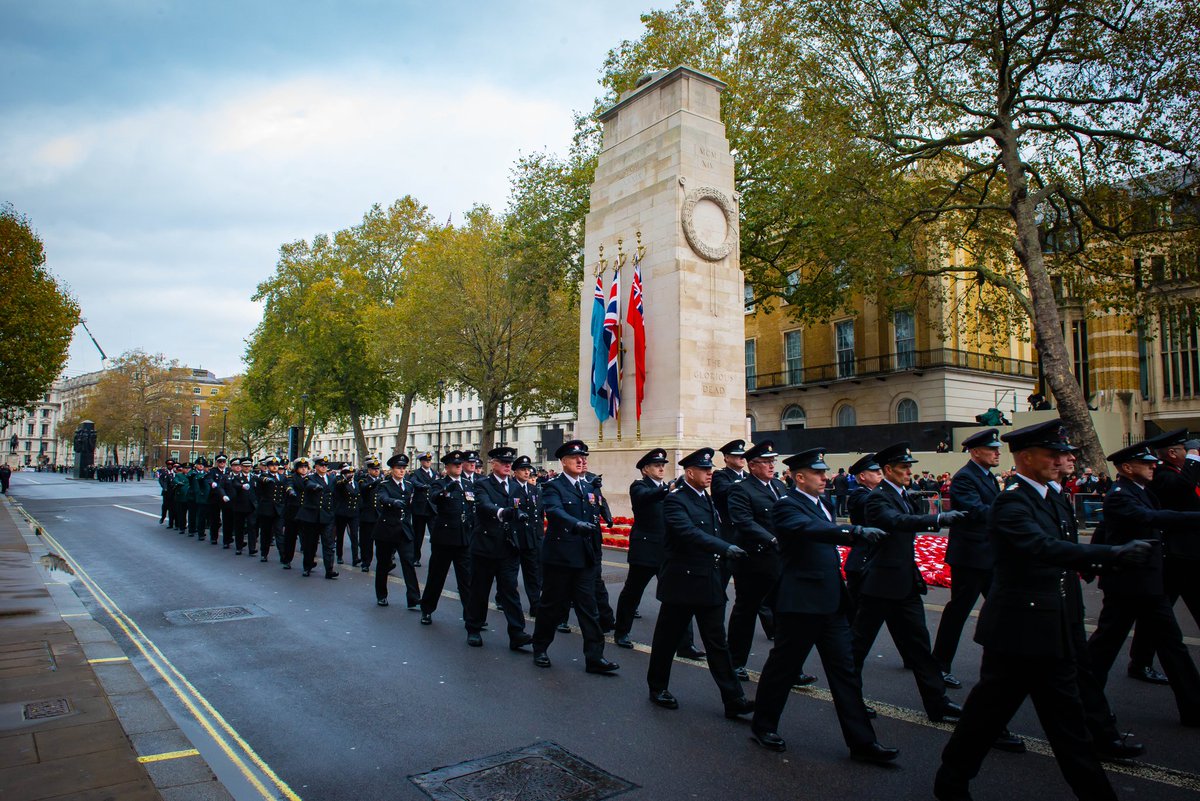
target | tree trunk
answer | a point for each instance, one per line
(406, 404)
(487, 439)
(360, 439)
(1047, 325)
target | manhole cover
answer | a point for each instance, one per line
(538, 772)
(213, 614)
(47, 709)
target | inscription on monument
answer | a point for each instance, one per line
(713, 380)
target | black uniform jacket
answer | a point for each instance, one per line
(811, 581)
(216, 476)
(493, 538)
(973, 492)
(294, 493)
(1131, 512)
(455, 518)
(690, 575)
(234, 486)
(528, 499)
(271, 489)
(1176, 489)
(750, 503)
(393, 500)
(346, 495)
(648, 535)
(422, 481)
(368, 488)
(1027, 613)
(564, 505)
(723, 480)
(856, 504)
(317, 504)
(891, 571)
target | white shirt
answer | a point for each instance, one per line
(817, 501)
(1042, 489)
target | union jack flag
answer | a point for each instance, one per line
(612, 339)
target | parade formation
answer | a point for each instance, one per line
(781, 545)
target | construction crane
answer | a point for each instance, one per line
(103, 355)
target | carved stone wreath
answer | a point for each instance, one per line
(708, 250)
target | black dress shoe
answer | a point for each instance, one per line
(417, 563)
(602, 666)
(414, 607)
(874, 753)
(254, 552)
(381, 601)
(541, 660)
(366, 568)
(340, 562)
(1007, 741)
(519, 642)
(637, 615)
(742, 674)
(565, 628)
(943, 791)
(1120, 748)
(951, 681)
(664, 699)
(803, 680)
(623, 641)
(738, 706)
(306, 573)
(474, 640)
(949, 712)
(356, 563)
(690, 652)
(237, 553)
(426, 619)
(287, 565)
(1148, 674)
(872, 713)
(263, 559)
(332, 575)
(226, 547)
(769, 740)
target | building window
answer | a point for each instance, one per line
(196, 410)
(45, 429)
(793, 350)
(1180, 356)
(748, 298)
(844, 339)
(1143, 359)
(751, 366)
(791, 286)
(906, 340)
(175, 455)
(1079, 345)
(794, 417)
(212, 391)
(195, 390)
(845, 416)
(906, 411)
(753, 423)
(176, 432)
(195, 432)
(29, 430)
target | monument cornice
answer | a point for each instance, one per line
(662, 80)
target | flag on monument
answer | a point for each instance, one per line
(612, 341)
(637, 321)
(599, 397)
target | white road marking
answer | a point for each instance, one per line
(136, 511)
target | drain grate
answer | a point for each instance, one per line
(539, 772)
(212, 614)
(53, 708)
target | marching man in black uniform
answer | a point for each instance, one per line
(345, 514)
(527, 497)
(1131, 512)
(450, 539)
(391, 498)
(272, 494)
(867, 476)
(810, 609)
(216, 476)
(291, 508)
(969, 554)
(892, 585)
(1024, 626)
(690, 585)
(496, 552)
(423, 512)
(570, 554)
(368, 514)
(316, 518)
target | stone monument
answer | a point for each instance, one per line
(665, 173)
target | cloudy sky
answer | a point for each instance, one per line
(165, 150)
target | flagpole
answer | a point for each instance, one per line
(638, 253)
(601, 265)
(620, 262)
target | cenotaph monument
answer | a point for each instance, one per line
(664, 190)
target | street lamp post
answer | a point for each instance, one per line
(501, 442)
(195, 427)
(224, 425)
(441, 385)
(303, 416)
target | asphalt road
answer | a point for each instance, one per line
(324, 695)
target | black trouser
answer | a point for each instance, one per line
(265, 531)
(966, 585)
(1154, 617)
(604, 611)
(795, 636)
(200, 518)
(752, 589)
(310, 534)
(905, 620)
(562, 587)
(440, 559)
(166, 507)
(1179, 576)
(503, 571)
(366, 541)
(181, 516)
(235, 528)
(402, 550)
(631, 595)
(340, 524)
(1004, 682)
(291, 533)
(214, 520)
(854, 580)
(531, 576)
(421, 524)
(669, 628)
(1098, 715)
(193, 510)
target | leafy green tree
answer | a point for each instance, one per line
(37, 316)
(247, 427)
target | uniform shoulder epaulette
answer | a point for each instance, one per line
(1116, 489)
(1011, 487)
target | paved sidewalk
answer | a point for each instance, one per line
(76, 718)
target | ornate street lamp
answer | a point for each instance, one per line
(441, 385)
(195, 428)
(224, 426)
(303, 415)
